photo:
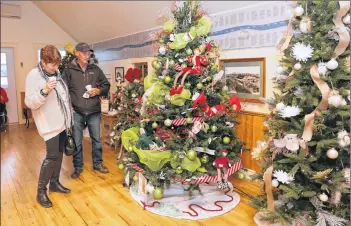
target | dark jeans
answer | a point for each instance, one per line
(93, 122)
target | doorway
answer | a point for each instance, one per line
(8, 82)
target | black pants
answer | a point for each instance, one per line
(51, 167)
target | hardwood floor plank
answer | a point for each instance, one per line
(96, 199)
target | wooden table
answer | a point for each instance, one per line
(109, 120)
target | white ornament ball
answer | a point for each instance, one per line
(332, 64)
(322, 68)
(168, 122)
(299, 11)
(332, 153)
(323, 197)
(225, 89)
(162, 50)
(280, 106)
(119, 108)
(275, 183)
(280, 70)
(297, 66)
(346, 19)
(149, 188)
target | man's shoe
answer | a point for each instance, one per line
(101, 168)
(56, 186)
(77, 172)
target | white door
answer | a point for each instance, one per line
(8, 82)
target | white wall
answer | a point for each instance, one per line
(109, 67)
(33, 31)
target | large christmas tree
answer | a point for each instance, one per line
(306, 160)
(187, 130)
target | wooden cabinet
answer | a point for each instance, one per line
(250, 130)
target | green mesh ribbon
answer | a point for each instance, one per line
(179, 42)
(169, 25)
(157, 95)
(149, 81)
(203, 26)
(155, 160)
(130, 137)
(189, 165)
(179, 99)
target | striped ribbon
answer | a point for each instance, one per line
(182, 121)
(199, 180)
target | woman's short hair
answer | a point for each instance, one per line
(50, 54)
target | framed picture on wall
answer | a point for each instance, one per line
(119, 74)
(246, 77)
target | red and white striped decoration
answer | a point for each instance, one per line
(177, 67)
(199, 180)
(209, 179)
(182, 121)
(136, 167)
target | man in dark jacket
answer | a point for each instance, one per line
(86, 83)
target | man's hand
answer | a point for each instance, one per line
(94, 92)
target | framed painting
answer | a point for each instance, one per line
(246, 77)
(119, 74)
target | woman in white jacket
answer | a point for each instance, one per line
(48, 97)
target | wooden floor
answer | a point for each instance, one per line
(96, 199)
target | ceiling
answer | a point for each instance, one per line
(95, 21)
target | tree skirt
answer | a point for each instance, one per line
(176, 202)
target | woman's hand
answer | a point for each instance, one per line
(50, 85)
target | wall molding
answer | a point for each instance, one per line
(254, 26)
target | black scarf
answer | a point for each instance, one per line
(65, 112)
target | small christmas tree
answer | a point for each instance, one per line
(306, 160)
(186, 130)
(127, 101)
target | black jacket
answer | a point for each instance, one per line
(76, 80)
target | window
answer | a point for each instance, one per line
(143, 67)
(4, 79)
(62, 52)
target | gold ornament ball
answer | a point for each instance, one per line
(167, 79)
(191, 154)
(158, 193)
(154, 125)
(179, 170)
(226, 140)
(121, 166)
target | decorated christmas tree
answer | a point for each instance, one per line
(306, 159)
(187, 130)
(127, 101)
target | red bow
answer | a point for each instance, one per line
(132, 74)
